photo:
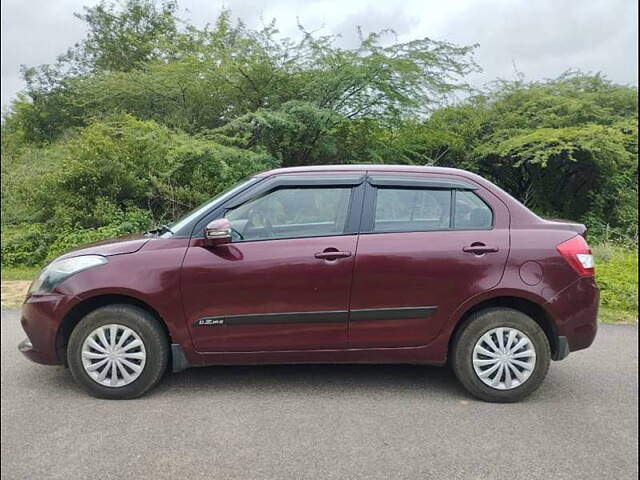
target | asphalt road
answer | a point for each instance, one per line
(325, 422)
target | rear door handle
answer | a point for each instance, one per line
(332, 254)
(479, 249)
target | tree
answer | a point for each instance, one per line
(565, 147)
(136, 60)
(148, 116)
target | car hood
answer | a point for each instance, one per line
(113, 246)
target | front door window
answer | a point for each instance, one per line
(292, 213)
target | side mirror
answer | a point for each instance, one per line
(217, 232)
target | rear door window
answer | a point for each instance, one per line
(412, 209)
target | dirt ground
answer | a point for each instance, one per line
(13, 292)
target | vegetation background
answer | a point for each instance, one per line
(149, 116)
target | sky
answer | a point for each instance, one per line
(538, 38)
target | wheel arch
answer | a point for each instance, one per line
(529, 307)
(87, 305)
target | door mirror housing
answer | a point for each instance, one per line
(218, 232)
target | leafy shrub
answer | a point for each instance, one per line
(116, 176)
(25, 245)
(122, 163)
(121, 223)
(617, 277)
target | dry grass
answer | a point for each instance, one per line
(13, 292)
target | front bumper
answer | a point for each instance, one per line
(41, 318)
(26, 348)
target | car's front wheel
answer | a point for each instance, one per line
(500, 355)
(118, 352)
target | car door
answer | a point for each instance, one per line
(428, 242)
(284, 282)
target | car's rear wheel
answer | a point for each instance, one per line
(500, 355)
(118, 352)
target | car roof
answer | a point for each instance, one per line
(365, 167)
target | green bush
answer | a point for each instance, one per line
(120, 223)
(118, 175)
(25, 245)
(617, 277)
(122, 163)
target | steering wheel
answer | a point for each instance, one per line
(256, 214)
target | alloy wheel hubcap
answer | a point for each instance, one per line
(504, 358)
(113, 355)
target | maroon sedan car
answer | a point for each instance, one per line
(366, 264)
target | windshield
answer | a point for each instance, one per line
(205, 207)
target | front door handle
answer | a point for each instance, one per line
(479, 249)
(332, 254)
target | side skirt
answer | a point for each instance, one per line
(413, 355)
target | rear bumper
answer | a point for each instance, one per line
(575, 311)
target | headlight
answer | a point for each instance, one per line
(58, 271)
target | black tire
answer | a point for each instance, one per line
(477, 325)
(145, 325)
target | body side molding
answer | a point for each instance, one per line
(330, 316)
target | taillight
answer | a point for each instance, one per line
(577, 253)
